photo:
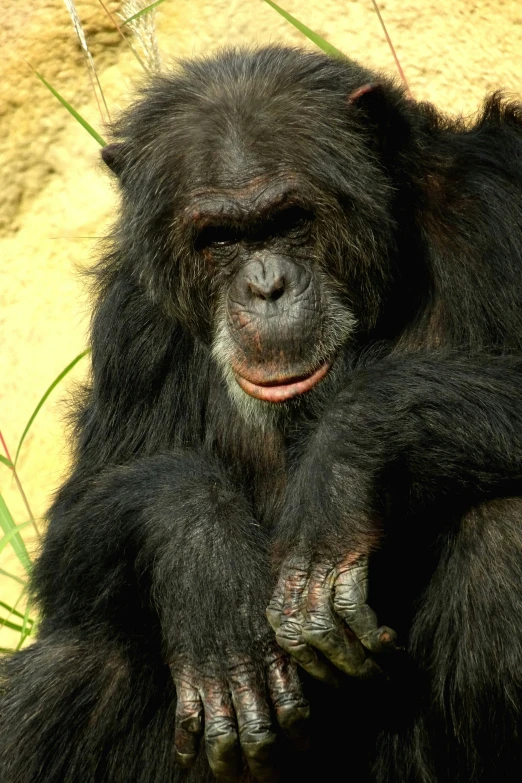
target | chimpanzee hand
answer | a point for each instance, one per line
(320, 617)
(331, 521)
(233, 703)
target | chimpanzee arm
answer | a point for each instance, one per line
(170, 535)
(436, 425)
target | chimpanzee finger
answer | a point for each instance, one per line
(274, 609)
(322, 629)
(291, 708)
(258, 740)
(188, 722)
(350, 596)
(289, 634)
(221, 739)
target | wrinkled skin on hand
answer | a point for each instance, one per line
(234, 706)
(321, 618)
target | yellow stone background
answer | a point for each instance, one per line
(54, 192)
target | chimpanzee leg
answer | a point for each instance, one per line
(466, 639)
(88, 711)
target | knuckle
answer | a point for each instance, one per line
(290, 692)
(318, 633)
(240, 668)
(254, 730)
(292, 646)
(289, 635)
(257, 745)
(293, 710)
(345, 602)
(276, 661)
(184, 681)
(243, 679)
(221, 732)
(289, 699)
(188, 710)
(192, 723)
(295, 565)
(184, 742)
(291, 695)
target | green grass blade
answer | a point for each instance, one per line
(314, 37)
(12, 535)
(47, 393)
(16, 578)
(13, 609)
(72, 111)
(12, 626)
(27, 626)
(6, 462)
(25, 630)
(143, 11)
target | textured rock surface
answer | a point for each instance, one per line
(54, 195)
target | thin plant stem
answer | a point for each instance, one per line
(91, 68)
(19, 485)
(118, 28)
(392, 47)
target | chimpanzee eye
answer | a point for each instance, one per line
(217, 236)
(290, 219)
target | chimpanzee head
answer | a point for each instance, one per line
(256, 210)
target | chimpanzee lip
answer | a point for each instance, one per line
(281, 390)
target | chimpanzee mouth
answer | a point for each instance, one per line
(282, 389)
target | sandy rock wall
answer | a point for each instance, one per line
(55, 199)
(42, 38)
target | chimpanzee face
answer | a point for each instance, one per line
(277, 323)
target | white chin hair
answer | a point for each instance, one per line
(260, 413)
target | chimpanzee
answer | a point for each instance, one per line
(306, 382)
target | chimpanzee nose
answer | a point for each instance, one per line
(268, 288)
(267, 280)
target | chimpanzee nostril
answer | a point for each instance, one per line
(262, 283)
(268, 290)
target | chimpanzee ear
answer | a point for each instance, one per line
(112, 156)
(369, 97)
(384, 111)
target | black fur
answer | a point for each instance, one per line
(159, 545)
